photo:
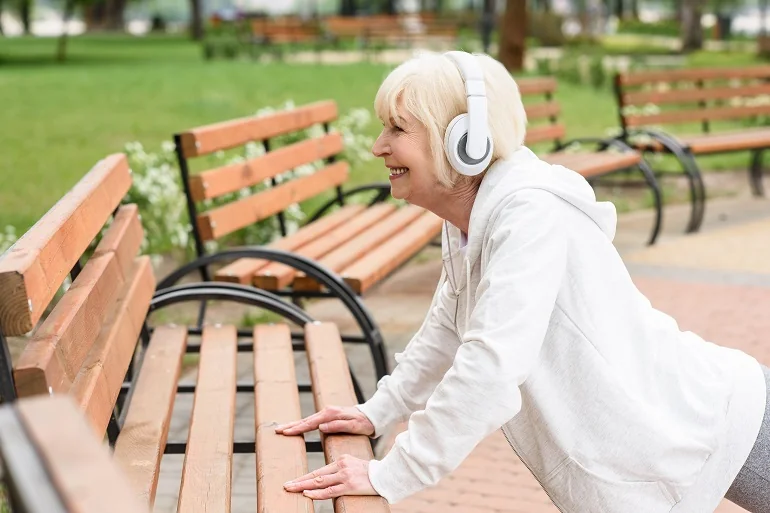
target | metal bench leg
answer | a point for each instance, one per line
(7, 388)
(657, 196)
(755, 173)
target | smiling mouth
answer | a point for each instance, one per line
(398, 171)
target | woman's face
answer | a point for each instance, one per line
(403, 144)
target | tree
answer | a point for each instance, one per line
(691, 29)
(196, 19)
(348, 7)
(61, 47)
(25, 13)
(513, 30)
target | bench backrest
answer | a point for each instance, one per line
(362, 25)
(543, 125)
(246, 210)
(699, 95)
(84, 345)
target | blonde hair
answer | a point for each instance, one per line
(431, 88)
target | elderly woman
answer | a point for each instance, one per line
(537, 328)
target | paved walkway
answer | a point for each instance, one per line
(716, 283)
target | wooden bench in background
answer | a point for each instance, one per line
(53, 462)
(544, 127)
(95, 343)
(362, 243)
(713, 101)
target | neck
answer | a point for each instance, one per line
(455, 205)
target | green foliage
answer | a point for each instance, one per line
(660, 28)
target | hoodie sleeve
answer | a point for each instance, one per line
(419, 367)
(522, 274)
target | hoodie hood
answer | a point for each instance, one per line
(524, 170)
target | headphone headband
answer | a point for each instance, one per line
(476, 97)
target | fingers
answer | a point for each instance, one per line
(338, 426)
(347, 476)
(331, 468)
(307, 424)
(330, 478)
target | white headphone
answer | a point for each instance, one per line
(467, 141)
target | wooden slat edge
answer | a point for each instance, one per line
(545, 133)
(143, 438)
(537, 85)
(332, 386)
(79, 464)
(217, 182)
(233, 216)
(280, 458)
(98, 383)
(124, 238)
(229, 134)
(692, 74)
(34, 268)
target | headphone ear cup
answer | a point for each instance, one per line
(455, 139)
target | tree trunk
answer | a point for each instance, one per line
(487, 22)
(634, 8)
(2, 32)
(348, 8)
(513, 32)
(619, 8)
(390, 7)
(25, 13)
(61, 50)
(115, 10)
(692, 31)
(763, 15)
(196, 19)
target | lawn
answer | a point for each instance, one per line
(58, 119)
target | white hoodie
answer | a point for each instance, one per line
(538, 329)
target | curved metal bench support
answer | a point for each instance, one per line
(755, 173)
(690, 168)
(336, 286)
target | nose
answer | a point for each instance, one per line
(381, 147)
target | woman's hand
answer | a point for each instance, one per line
(332, 419)
(346, 476)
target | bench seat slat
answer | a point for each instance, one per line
(697, 115)
(362, 244)
(143, 437)
(594, 164)
(545, 133)
(34, 268)
(228, 218)
(207, 473)
(332, 385)
(80, 467)
(276, 275)
(370, 269)
(242, 270)
(97, 385)
(279, 458)
(124, 238)
(542, 110)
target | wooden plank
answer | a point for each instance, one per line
(98, 383)
(124, 238)
(376, 265)
(688, 116)
(54, 355)
(362, 244)
(34, 268)
(276, 276)
(143, 438)
(229, 134)
(216, 182)
(26, 480)
(330, 378)
(208, 462)
(542, 110)
(233, 216)
(242, 270)
(693, 74)
(730, 141)
(79, 464)
(538, 85)
(694, 94)
(545, 133)
(280, 458)
(594, 164)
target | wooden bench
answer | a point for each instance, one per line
(712, 101)
(95, 343)
(52, 462)
(368, 30)
(544, 127)
(288, 30)
(362, 243)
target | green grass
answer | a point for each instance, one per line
(58, 119)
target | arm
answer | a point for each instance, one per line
(419, 368)
(480, 392)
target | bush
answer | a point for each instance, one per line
(546, 28)
(659, 28)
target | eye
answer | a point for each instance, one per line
(397, 128)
